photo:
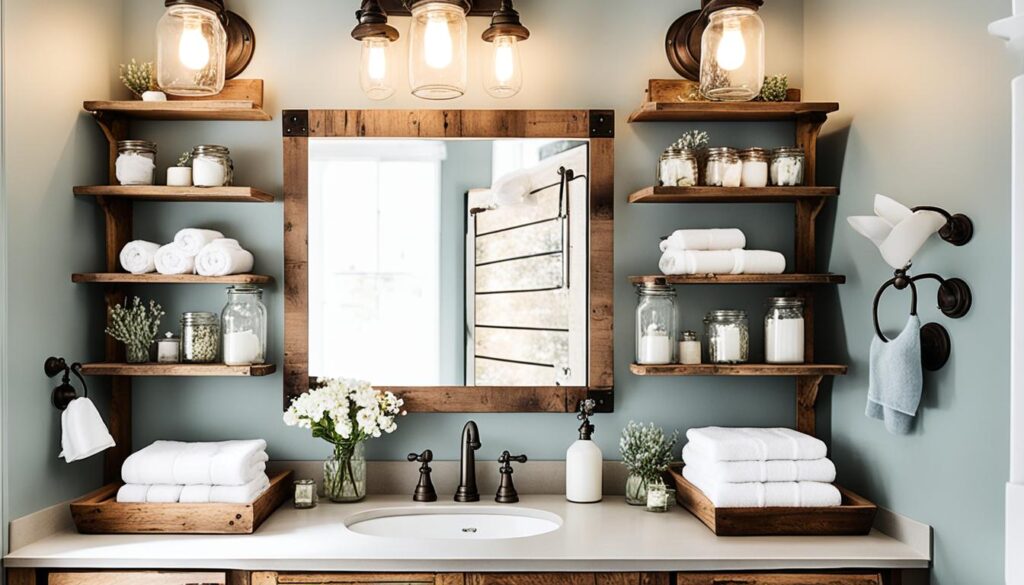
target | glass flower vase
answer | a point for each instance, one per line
(345, 474)
(136, 353)
(636, 489)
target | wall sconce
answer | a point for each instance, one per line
(899, 231)
(376, 67)
(503, 69)
(200, 44)
(722, 46)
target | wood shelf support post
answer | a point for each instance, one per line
(808, 126)
(805, 238)
(806, 398)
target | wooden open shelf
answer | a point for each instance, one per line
(729, 111)
(239, 110)
(154, 369)
(153, 278)
(165, 193)
(740, 370)
(779, 279)
(730, 194)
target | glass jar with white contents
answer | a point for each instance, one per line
(724, 168)
(656, 323)
(784, 331)
(200, 337)
(244, 326)
(728, 336)
(136, 162)
(212, 166)
(787, 168)
(677, 167)
(755, 167)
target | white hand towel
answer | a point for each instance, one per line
(139, 256)
(163, 494)
(192, 240)
(235, 494)
(697, 262)
(132, 493)
(512, 189)
(83, 433)
(173, 259)
(759, 262)
(821, 470)
(223, 257)
(152, 465)
(755, 444)
(173, 462)
(804, 494)
(709, 239)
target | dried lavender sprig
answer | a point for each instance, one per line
(135, 325)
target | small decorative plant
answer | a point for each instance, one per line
(774, 88)
(646, 453)
(696, 140)
(138, 77)
(346, 414)
(136, 327)
(185, 160)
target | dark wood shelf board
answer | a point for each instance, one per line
(729, 111)
(780, 279)
(730, 194)
(165, 193)
(153, 369)
(152, 278)
(740, 370)
(237, 110)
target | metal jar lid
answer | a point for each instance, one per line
(722, 153)
(785, 302)
(210, 149)
(199, 318)
(754, 154)
(788, 151)
(726, 315)
(136, 146)
(656, 287)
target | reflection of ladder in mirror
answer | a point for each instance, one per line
(563, 216)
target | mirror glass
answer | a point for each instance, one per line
(449, 262)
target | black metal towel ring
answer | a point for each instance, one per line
(63, 394)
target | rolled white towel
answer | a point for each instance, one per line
(139, 256)
(132, 493)
(223, 257)
(705, 239)
(821, 470)
(755, 444)
(804, 494)
(163, 494)
(236, 494)
(173, 259)
(192, 240)
(697, 261)
(759, 262)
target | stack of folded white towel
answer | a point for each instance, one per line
(193, 251)
(231, 472)
(759, 468)
(716, 251)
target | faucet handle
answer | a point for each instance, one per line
(506, 489)
(425, 487)
(425, 457)
(507, 458)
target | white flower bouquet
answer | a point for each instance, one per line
(346, 414)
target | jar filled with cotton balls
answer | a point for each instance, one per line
(136, 162)
(677, 167)
(656, 323)
(212, 166)
(787, 169)
(244, 326)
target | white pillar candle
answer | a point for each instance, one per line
(179, 177)
(655, 349)
(689, 352)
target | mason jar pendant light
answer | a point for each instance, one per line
(376, 66)
(503, 69)
(200, 44)
(437, 48)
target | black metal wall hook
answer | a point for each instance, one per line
(63, 394)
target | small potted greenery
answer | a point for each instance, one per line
(139, 79)
(135, 327)
(646, 453)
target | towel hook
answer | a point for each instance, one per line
(63, 394)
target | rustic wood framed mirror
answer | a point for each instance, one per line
(459, 258)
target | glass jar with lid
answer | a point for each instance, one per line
(755, 167)
(168, 349)
(200, 337)
(677, 167)
(656, 323)
(724, 168)
(728, 336)
(212, 166)
(244, 326)
(787, 169)
(136, 162)
(784, 331)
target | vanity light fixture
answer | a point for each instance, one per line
(376, 66)
(437, 48)
(503, 69)
(722, 46)
(200, 44)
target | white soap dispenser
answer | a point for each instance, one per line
(584, 462)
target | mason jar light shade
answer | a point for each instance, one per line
(732, 55)
(503, 70)
(437, 51)
(376, 70)
(191, 51)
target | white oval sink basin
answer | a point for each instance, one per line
(453, 523)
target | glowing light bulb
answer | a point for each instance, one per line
(377, 63)
(732, 49)
(193, 49)
(504, 59)
(437, 42)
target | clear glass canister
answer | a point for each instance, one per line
(788, 167)
(200, 337)
(212, 166)
(168, 349)
(755, 167)
(677, 167)
(656, 323)
(136, 162)
(724, 168)
(244, 326)
(784, 331)
(732, 49)
(728, 336)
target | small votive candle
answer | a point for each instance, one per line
(689, 348)
(305, 494)
(168, 349)
(658, 498)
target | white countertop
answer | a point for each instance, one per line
(608, 536)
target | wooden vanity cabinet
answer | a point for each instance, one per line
(778, 579)
(140, 578)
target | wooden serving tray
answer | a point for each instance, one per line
(855, 516)
(100, 513)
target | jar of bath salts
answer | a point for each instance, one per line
(787, 169)
(724, 168)
(244, 326)
(689, 348)
(755, 167)
(656, 323)
(136, 162)
(200, 337)
(728, 335)
(784, 331)
(677, 167)
(212, 166)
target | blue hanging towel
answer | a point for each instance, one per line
(894, 392)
